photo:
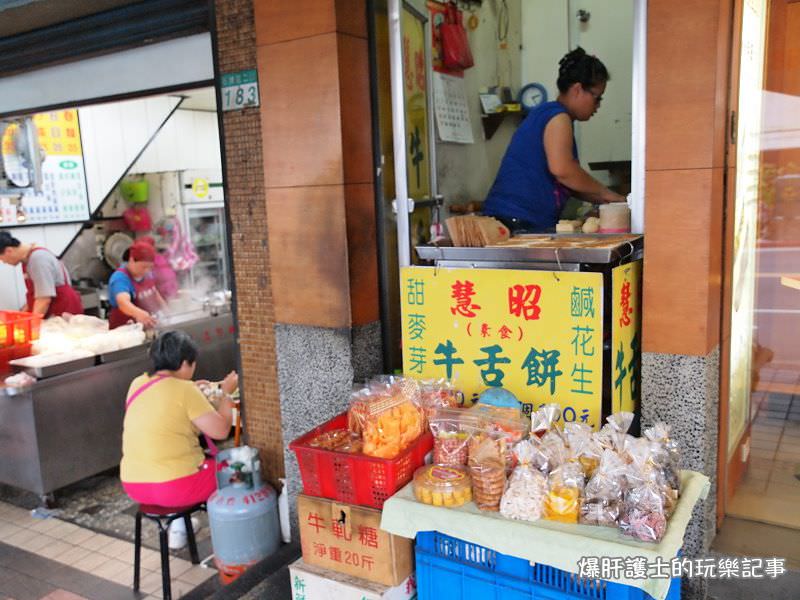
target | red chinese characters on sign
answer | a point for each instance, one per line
(335, 553)
(625, 309)
(523, 301)
(315, 521)
(338, 529)
(407, 72)
(320, 550)
(419, 69)
(368, 536)
(462, 293)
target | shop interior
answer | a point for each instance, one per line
(152, 169)
(516, 46)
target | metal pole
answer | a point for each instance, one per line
(434, 177)
(638, 114)
(399, 134)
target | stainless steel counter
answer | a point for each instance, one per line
(69, 427)
(550, 251)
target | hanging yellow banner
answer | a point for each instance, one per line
(626, 347)
(537, 334)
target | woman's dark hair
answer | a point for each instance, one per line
(7, 241)
(579, 67)
(170, 349)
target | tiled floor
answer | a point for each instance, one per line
(67, 557)
(770, 492)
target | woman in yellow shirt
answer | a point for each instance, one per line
(162, 460)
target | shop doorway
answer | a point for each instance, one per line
(455, 140)
(762, 454)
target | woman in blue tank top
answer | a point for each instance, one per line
(540, 169)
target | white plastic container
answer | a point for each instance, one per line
(615, 218)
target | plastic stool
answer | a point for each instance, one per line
(163, 516)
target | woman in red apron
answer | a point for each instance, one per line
(37, 267)
(132, 294)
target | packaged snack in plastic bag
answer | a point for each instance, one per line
(643, 515)
(545, 419)
(614, 433)
(387, 417)
(649, 463)
(668, 454)
(438, 393)
(562, 502)
(549, 452)
(605, 491)
(524, 496)
(487, 467)
(452, 429)
(442, 485)
(582, 446)
(510, 431)
(340, 440)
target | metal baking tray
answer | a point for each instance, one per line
(53, 369)
(132, 352)
(556, 253)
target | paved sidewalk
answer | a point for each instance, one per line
(40, 557)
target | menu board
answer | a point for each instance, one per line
(537, 334)
(64, 197)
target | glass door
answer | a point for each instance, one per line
(762, 445)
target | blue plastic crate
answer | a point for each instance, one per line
(452, 569)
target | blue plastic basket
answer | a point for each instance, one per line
(452, 569)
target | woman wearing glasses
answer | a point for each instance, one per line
(540, 169)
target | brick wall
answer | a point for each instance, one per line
(244, 171)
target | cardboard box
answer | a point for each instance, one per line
(315, 583)
(348, 539)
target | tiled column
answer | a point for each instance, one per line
(317, 161)
(687, 90)
(242, 140)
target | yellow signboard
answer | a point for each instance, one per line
(626, 349)
(63, 197)
(537, 334)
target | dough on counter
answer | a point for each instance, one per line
(592, 225)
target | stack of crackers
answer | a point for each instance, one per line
(476, 232)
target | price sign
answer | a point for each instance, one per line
(239, 90)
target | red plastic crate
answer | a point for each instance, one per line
(17, 331)
(355, 478)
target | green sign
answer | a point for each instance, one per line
(239, 90)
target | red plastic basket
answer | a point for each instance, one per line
(355, 478)
(17, 331)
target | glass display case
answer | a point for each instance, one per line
(205, 226)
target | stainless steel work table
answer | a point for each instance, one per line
(65, 428)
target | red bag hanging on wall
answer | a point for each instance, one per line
(455, 45)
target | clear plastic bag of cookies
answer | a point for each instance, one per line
(525, 491)
(604, 492)
(583, 448)
(452, 428)
(487, 466)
